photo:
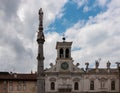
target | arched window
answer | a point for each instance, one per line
(76, 86)
(92, 85)
(52, 86)
(67, 53)
(61, 53)
(113, 85)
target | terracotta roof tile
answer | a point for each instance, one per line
(18, 76)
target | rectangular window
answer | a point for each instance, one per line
(5, 85)
(113, 85)
(52, 86)
(10, 86)
(19, 86)
(35, 85)
(76, 86)
(91, 85)
(24, 85)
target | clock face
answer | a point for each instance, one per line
(64, 65)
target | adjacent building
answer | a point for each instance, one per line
(17, 82)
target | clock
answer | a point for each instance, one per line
(64, 65)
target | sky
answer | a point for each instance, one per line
(92, 25)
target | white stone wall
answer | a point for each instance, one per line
(84, 82)
(97, 83)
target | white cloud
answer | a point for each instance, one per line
(114, 4)
(80, 2)
(21, 14)
(86, 9)
(98, 38)
(18, 27)
(102, 3)
(50, 47)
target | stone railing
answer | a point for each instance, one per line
(64, 86)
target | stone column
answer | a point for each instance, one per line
(40, 57)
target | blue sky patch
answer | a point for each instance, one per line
(73, 14)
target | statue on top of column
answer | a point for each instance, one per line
(41, 16)
(40, 35)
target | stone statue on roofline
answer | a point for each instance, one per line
(96, 64)
(108, 64)
(118, 64)
(87, 64)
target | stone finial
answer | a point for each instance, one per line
(63, 38)
(51, 64)
(118, 64)
(31, 72)
(108, 64)
(77, 64)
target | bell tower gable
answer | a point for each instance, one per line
(63, 50)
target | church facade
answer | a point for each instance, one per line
(65, 76)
